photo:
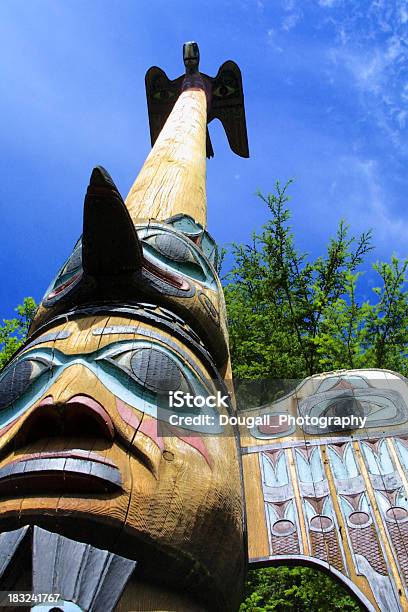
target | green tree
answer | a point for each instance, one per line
(14, 331)
(291, 316)
(296, 589)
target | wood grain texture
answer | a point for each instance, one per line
(255, 507)
(172, 179)
(179, 507)
(140, 596)
(136, 310)
(332, 498)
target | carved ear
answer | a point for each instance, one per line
(110, 244)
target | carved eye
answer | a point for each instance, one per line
(173, 250)
(74, 262)
(17, 378)
(171, 247)
(163, 94)
(62, 288)
(69, 276)
(153, 369)
(224, 90)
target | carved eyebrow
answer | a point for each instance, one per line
(51, 337)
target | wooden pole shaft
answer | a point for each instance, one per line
(172, 179)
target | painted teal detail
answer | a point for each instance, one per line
(195, 266)
(71, 266)
(116, 378)
(190, 228)
(274, 475)
(378, 463)
(343, 467)
(310, 469)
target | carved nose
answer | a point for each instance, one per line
(81, 416)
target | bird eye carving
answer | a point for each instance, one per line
(163, 95)
(225, 88)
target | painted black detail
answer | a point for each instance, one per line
(179, 330)
(58, 474)
(209, 306)
(227, 101)
(109, 243)
(92, 578)
(191, 57)
(51, 337)
(61, 289)
(163, 287)
(75, 260)
(9, 543)
(170, 246)
(155, 335)
(15, 382)
(156, 370)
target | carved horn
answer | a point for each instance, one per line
(110, 244)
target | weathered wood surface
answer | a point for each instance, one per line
(335, 499)
(135, 312)
(172, 179)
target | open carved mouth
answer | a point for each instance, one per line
(75, 471)
(37, 471)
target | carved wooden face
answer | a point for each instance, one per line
(80, 444)
(175, 271)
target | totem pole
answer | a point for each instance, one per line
(105, 501)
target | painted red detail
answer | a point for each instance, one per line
(147, 426)
(172, 279)
(150, 427)
(47, 401)
(62, 287)
(195, 441)
(95, 407)
(127, 414)
(4, 429)
(274, 426)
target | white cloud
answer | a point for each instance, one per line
(370, 45)
(272, 40)
(368, 201)
(290, 21)
(327, 3)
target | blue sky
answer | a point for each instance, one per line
(326, 86)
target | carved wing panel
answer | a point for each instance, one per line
(330, 496)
